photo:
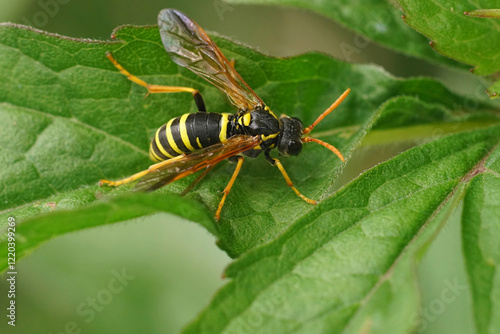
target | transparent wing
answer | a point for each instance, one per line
(189, 46)
(182, 166)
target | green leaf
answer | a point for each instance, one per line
(480, 233)
(72, 119)
(69, 119)
(474, 41)
(33, 233)
(494, 90)
(379, 21)
(346, 266)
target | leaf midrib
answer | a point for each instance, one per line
(317, 249)
(386, 274)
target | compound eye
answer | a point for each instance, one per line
(294, 147)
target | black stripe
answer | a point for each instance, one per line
(190, 129)
(162, 135)
(200, 128)
(157, 151)
(213, 128)
(230, 126)
(176, 135)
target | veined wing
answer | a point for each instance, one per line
(176, 168)
(189, 46)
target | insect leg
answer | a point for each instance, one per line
(125, 180)
(228, 187)
(277, 163)
(142, 173)
(159, 88)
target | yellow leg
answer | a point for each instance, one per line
(125, 180)
(142, 173)
(278, 164)
(159, 88)
(228, 187)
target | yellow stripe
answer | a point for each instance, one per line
(162, 150)
(183, 131)
(273, 135)
(266, 108)
(223, 130)
(170, 138)
(153, 156)
(246, 119)
(199, 143)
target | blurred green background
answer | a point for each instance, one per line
(176, 265)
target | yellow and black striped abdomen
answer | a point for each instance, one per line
(188, 133)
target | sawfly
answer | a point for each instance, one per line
(198, 141)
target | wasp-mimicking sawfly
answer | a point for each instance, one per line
(199, 141)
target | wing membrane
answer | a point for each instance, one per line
(189, 46)
(177, 168)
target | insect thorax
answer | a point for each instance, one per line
(258, 122)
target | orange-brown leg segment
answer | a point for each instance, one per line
(159, 88)
(277, 163)
(228, 187)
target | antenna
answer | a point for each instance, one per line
(327, 111)
(328, 146)
(319, 119)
